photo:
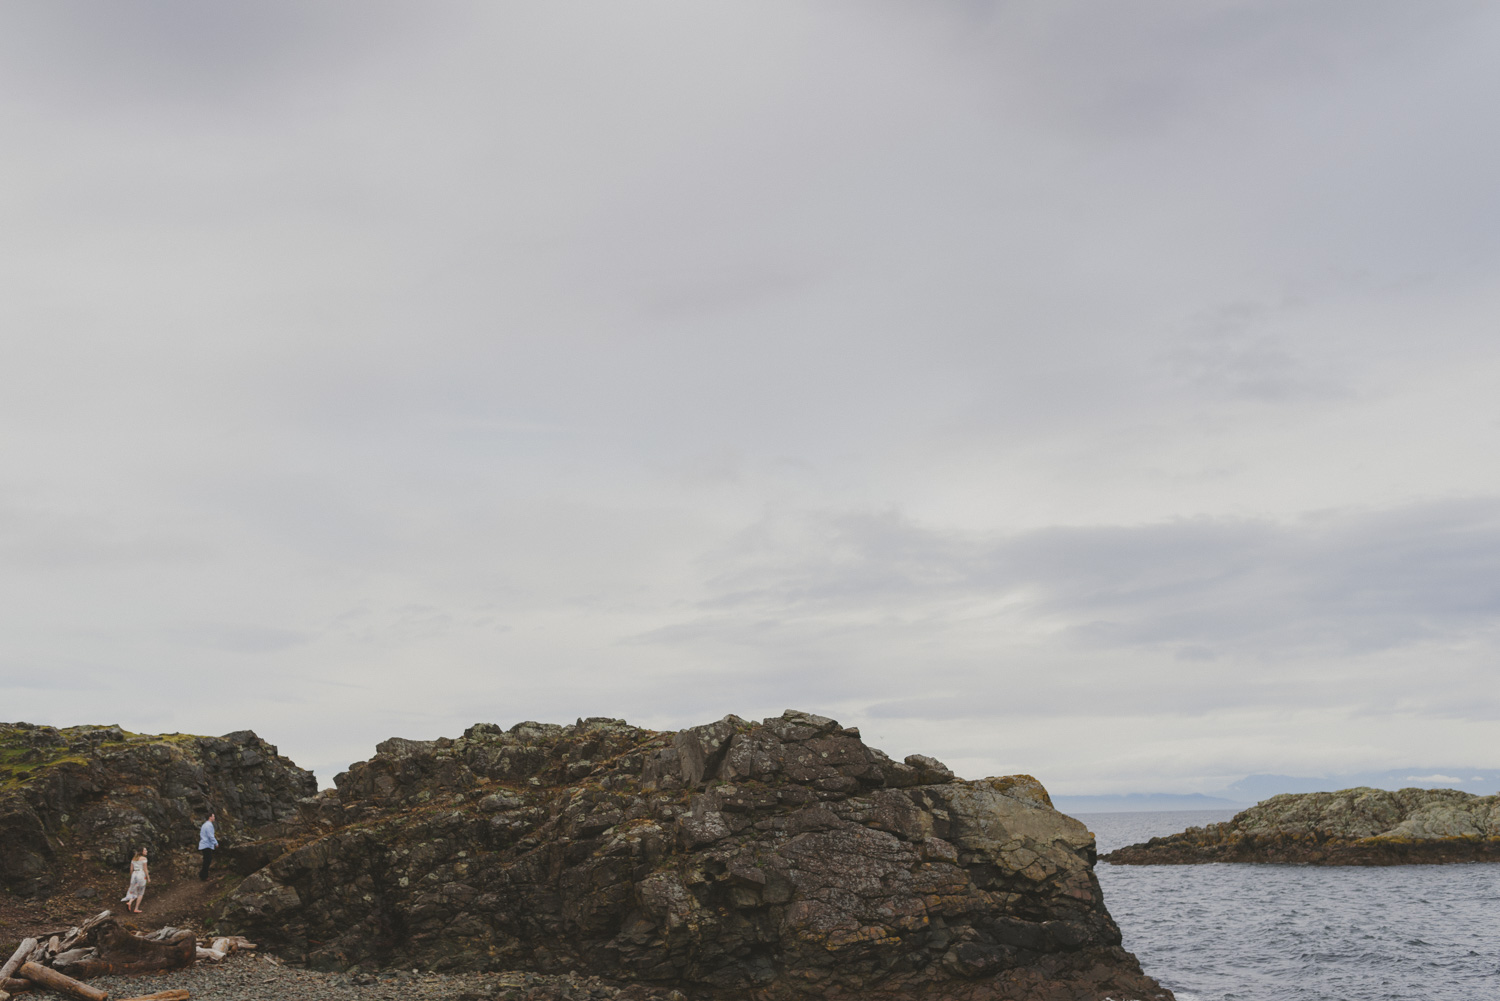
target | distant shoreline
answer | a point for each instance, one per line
(1145, 803)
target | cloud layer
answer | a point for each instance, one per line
(1101, 393)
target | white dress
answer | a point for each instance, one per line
(137, 888)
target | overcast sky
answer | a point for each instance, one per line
(1107, 391)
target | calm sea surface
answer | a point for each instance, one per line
(1274, 932)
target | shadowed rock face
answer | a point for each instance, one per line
(780, 859)
(1351, 827)
(100, 790)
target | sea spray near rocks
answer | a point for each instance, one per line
(773, 860)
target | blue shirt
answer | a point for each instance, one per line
(206, 837)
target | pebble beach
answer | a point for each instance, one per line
(253, 977)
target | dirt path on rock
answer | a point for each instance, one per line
(183, 901)
(173, 897)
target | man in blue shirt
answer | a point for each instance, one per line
(206, 845)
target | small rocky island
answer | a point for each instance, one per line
(778, 860)
(1359, 826)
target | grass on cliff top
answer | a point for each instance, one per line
(21, 761)
(17, 768)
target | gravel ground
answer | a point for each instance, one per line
(248, 976)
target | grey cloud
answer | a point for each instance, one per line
(250, 639)
(189, 54)
(46, 540)
(1353, 580)
(964, 362)
(1228, 355)
(34, 680)
(1343, 580)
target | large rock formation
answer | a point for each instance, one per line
(1352, 827)
(783, 859)
(100, 791)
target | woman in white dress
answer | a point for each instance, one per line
(140, 875)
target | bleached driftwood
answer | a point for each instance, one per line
(221, 946)
(60, 983)
(63, 960)
(230, 943)
(14, 962)
(81, 932)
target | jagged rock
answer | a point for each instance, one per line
(102, 790)
(782, 859)
(1359, 826)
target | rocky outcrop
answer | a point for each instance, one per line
(1352, 827)
(775, 860)
(100, 791)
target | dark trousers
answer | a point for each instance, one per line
(208, 857)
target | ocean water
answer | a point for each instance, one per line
(1302, 933)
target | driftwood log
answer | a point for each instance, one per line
(14, 962)
(99, 947)
(115, 950)
(60, 983)
(223, 946)
(82, 932)
(231, 943)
